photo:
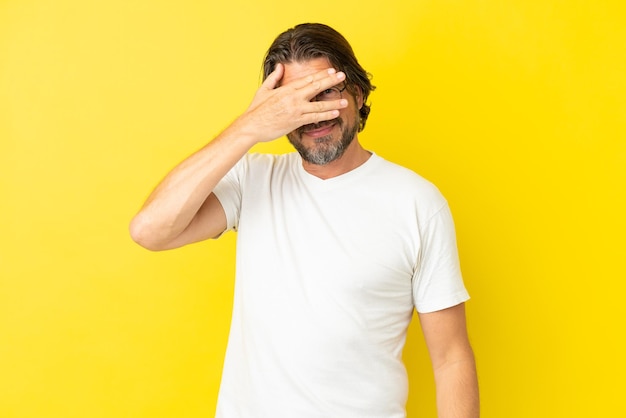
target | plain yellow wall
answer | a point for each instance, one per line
(515, 109)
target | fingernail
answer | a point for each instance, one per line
(331, 71)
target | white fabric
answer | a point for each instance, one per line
(328, 274)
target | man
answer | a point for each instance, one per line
(335, 248)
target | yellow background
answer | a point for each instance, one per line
(515, 109)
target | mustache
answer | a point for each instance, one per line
(319, 125)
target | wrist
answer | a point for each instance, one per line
(243, 133)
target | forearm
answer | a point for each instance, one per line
(457, 389)
(174, 203)
(178, 200)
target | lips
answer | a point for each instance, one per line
(317, 130)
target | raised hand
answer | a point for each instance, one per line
(278, 109)
(181, 209)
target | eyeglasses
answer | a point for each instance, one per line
(332, 93)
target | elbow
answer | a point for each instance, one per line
(144, 233)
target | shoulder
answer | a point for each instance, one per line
(397, 180)
(268, 161)
(256, 164)
(256, 170)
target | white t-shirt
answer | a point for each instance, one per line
(328, 274)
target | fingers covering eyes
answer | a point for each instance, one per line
(321, 80)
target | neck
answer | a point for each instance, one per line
(354, 156)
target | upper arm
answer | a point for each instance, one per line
(445, 333)
(208, 222)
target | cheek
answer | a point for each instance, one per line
(293, 136)
(350, 115)
(355, 104)
(357, 98)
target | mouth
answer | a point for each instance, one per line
(317, 130)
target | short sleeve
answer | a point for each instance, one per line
(228, 192)
(437, 281)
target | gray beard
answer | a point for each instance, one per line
(325, 150)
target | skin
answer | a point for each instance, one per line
(311, 136)
(453, 362)
(182, 209)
